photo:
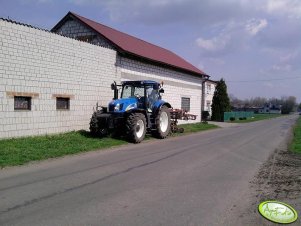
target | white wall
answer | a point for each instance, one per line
(44, 65)
(209, 93)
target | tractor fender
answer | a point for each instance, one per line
(158, 104)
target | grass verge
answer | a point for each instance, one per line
(295, 146)
(257, 117)
(195, 127)
(19, 151)
(22, 150)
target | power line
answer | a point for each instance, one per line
(266, 80)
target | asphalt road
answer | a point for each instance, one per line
(199, 179)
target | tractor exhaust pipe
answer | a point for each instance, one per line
(114, 87)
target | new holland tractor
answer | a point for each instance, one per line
(139, 109)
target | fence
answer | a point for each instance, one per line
(238, 114)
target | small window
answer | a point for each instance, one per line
(185, 104)
(208, 103)
(62, 103)
(208, 89)
(86, 38)
(22, 103)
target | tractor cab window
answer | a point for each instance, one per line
(152, 95)
(130, 91)
(139, 92)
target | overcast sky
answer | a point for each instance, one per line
(255, 45)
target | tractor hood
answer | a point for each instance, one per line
(122, 105)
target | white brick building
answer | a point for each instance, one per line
(50, 83)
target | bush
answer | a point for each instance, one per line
(232, 119)
(242, 118)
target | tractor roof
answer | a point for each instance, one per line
(140, 82)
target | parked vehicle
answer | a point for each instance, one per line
(139, 109)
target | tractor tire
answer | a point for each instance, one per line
(97, 128)
(135, 127)
(162, 123)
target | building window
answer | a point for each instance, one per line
(86, 38)
(208, 89)
(62, 103)
(208, 103)
(185, 104)
(22, 103)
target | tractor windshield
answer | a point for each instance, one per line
(132, 91)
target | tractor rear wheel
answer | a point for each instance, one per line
(97, 127)
(162, 123)
(136, 127)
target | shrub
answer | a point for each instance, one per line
(232, 119)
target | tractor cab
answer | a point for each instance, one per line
(136, 95)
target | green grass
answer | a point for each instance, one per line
(296, 143)
(22, 150)
(257, 117)
(19, 151)
(195, 127)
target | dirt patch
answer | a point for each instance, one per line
(279, 178)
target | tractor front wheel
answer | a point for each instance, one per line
(97, 127)
(162, 122)
(136, 127)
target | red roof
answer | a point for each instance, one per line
(135, 46)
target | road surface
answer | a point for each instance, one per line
(199, 179)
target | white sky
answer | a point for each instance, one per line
(255, 45)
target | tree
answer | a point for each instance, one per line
(220, 102)
(288, 104)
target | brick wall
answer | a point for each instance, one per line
(44, 66)
(176, 84)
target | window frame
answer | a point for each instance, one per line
(182, 105)
(208, 105)
(26, 98)
(59, 108)
(208, 88)
(86, 38)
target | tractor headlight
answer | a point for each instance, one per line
(131, 106)
(118, 107)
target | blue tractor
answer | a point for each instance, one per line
(139, 109)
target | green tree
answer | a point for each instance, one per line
(288, 104)
(220, 102)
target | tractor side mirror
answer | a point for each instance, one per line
(113, 86)
(161, 90)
